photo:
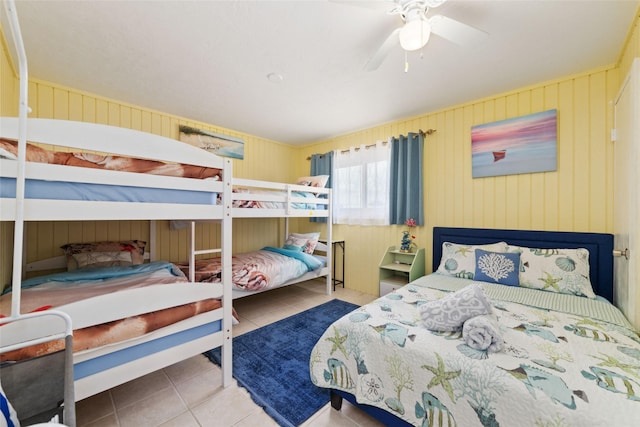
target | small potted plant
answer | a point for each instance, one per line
(407, 244)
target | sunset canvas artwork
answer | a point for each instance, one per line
(525, 144)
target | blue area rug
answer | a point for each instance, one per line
(272, 363)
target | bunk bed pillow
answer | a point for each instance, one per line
(564, 271)
(312, 241)
(295, 243)
(460, 260)
(319, 181)
(104, 254)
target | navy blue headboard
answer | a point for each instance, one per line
(599, 245)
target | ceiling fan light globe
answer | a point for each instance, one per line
(415, 34)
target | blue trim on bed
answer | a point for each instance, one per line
(61, 190)
(120, 357)
(599, 245)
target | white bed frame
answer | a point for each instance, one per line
(288, 199)
(124, 142)
(280, 194)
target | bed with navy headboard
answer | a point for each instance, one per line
(561, 354)
(599, 245)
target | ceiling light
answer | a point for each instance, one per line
(275, 77)
(415, 34)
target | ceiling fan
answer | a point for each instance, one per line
(418, 27)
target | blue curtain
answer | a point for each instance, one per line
(322, 164)
(406, 179)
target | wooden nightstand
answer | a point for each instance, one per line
(399, 268)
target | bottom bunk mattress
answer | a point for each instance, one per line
(564, 360)
(260, 270)
(57, 290)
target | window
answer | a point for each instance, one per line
(361, 185)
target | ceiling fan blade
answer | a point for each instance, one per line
(378, 58)
(456, 32)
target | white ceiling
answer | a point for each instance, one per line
(209, 60)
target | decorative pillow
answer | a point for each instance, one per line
(134, 250)
(312, 241)
(102, 259)
(313, 181)
(450, 313)
(497, 267)
(460, 260)
(295, 243)
(565, 271)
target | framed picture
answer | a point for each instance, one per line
(525, 144)
(221, 145)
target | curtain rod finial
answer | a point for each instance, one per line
(427, 132)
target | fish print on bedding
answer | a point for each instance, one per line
(566, 361)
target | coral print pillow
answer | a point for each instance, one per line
(497, 267)
(565, 271)
(460, 260)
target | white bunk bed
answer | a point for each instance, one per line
(122, 304)
(102, 368)
(277, 200)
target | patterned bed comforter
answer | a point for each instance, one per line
(259, 270)
(115, 163)
(268, 204)
(567, 361)
(61, 289)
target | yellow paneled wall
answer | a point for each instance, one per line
(577, 197)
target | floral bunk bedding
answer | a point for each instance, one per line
(259, 270)
(269, 204)
(8, 148)
(56, 290)
(566, 360)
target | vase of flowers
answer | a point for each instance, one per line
(407, 244)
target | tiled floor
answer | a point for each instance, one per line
(189, 393)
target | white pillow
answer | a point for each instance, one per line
(460, 260)
(313, 181)
(295, 243)
(312, 240)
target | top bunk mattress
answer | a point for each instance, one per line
(64, 190)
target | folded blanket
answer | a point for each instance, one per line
(483, 333)
(449, 313)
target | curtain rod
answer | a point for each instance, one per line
(420, 131)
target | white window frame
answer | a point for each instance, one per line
(352, 168)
